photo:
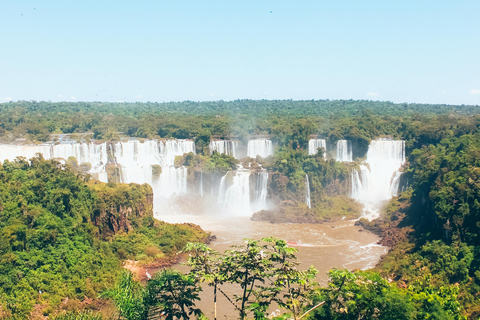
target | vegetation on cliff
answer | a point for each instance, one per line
(433, 228)
(66, 237)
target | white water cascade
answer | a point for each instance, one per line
(315, 144)
(234, 192)
(95, 154)
(227, 147)
(201, 184)
(236, 195)
(259, 147)
(136, 160)
(344, 151)
(261, 190)
(307, 192)
(378, 180)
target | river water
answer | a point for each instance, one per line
(325, 246)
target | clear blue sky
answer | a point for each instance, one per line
(401, 51)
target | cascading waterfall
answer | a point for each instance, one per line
(135, 160)
(259, 147)
(243, 191)
(261, 190)
(395, 185)
(94, 154)
(307, 192)
(315, 144)
(227, 147)
(379, 178)
(201, 184)
(234, 195)
(10, 152)
(344, 151)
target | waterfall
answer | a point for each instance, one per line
(94, 154)
(227, 147)
(307, 192)
(379, 178)
(259, 147)
(234, 195)
(261, 190)
(395, 185)
(201, 184)
(344, 151)
(137, 160)
(172, 181)
(222, 189)
(10, 152)
(132, 160)
(169, 149)
(315, 144)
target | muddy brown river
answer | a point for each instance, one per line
(325, 246)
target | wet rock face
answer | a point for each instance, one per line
(119, 207)
(278, 186)
(119, 218)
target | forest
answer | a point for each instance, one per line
(66, 235)
(63, 237)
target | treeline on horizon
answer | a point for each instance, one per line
(246, 106)
(288, 123)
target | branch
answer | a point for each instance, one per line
(233, 303)
(318, 305)
(321, 303)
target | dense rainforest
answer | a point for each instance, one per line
(66, 236)
(432, 228)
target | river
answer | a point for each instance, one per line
(325, 246)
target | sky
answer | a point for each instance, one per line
(401, 51)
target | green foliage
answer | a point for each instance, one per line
(326, 209)
(217, 162)
(366, 295)
(174, 293)
(50, 247)
(265, 272)
(363, 295)
(129, 297)
(48, 244)
(440, 214)
(327, 177)
(433, 302)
